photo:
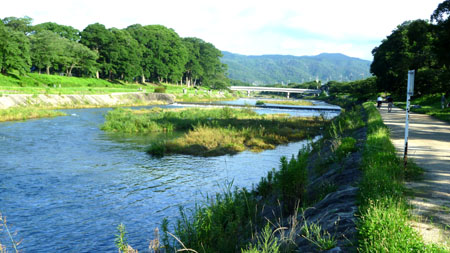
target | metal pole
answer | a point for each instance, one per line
(409, 93)
(405, 154)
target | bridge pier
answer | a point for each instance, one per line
(248, 93)
(288, 95)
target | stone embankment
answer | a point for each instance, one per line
(81, 101)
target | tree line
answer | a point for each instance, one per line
(138, 53)
(420, 45)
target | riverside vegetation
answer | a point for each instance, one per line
(271, 217)
(212, 132)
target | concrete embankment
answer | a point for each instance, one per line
(80, 101)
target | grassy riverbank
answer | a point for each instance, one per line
(252, 221)
(212, 132)
(383, 212)
(24, 113)
(239, 220)
(429, 104)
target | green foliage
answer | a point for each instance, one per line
(429, 104)
(267, 242)
(218, 225)
(23, 113)
(160, 89)
(292, 179)
(383, 224)
(121, 240)
(322, 239)
(14, 51)
(63, 31)
(269, 69)
(347, 146)
(213, 131)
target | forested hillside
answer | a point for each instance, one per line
(270, 69)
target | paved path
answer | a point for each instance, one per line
(429, 147)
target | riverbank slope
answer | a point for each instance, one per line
(83, 101)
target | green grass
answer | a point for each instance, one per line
(383, 212)
(23, 113)
(229, 221)
(212, 132)
(431, 105)
(33, 83)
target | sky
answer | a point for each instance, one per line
(249, 27)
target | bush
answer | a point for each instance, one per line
(160, 90)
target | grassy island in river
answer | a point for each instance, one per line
(211, 132)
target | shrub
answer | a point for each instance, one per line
(160, 90)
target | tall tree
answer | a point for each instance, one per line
(123, 55)
(45, 50)
(167, 50)
(97, 38)
(408, 47)
(14, 51)
(193, 68)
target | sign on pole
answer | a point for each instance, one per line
(409, 93)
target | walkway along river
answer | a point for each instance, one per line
(65, 185)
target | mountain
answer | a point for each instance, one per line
(270, 69)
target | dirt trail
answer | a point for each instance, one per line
(428, 147)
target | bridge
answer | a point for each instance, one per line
(249, 89)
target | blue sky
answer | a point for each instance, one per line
(301, 27)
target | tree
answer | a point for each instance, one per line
(76, 55)
(45, 49)
(408, 47)
(143, 36)
(167, 52)
(97, 38)
(64, 31)
(193, 68)
(442, 46)
(14, 51)
(19, 24)
(123, 56)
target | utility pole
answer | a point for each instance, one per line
(409, 93)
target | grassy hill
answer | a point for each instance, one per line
(269, 69)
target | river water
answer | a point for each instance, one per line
(65, 185)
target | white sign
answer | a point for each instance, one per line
(410, 83)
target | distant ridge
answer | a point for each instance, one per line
(269, 69)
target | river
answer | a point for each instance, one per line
(65, 185)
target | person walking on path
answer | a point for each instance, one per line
(390, 101)
(379, 101)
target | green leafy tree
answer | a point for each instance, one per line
(441, 19)
(98, 38)
(143, 36)
(193, 68)
(45, 50)
(409, 47)
(19, 24)
(123, 56)
(76, 55)
(64, 31)
(168, 54)
(14, 51)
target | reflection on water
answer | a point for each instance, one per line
(66, 185)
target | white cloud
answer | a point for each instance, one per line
(294, 27)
